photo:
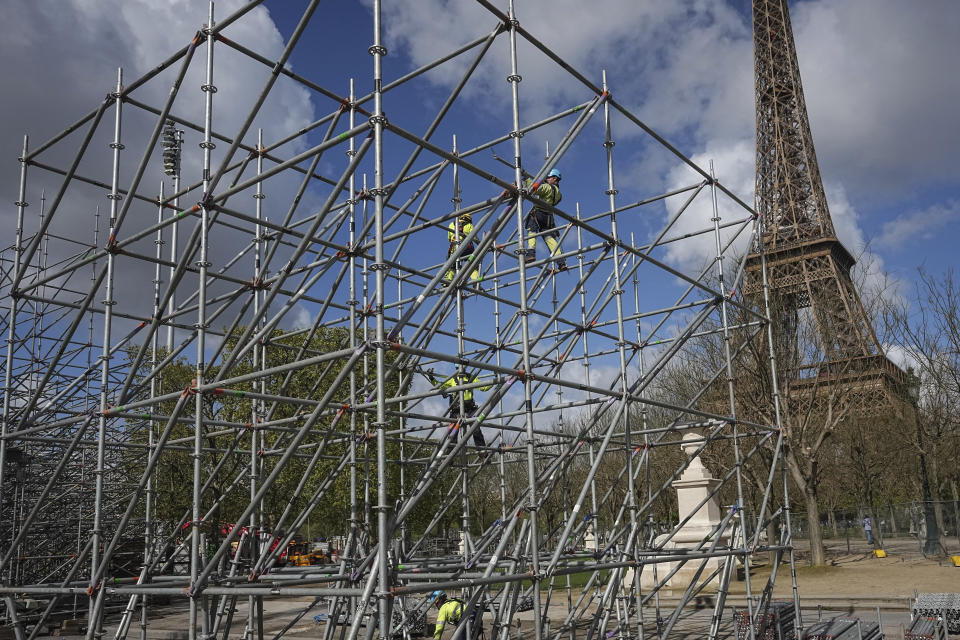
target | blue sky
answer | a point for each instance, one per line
(880, 80)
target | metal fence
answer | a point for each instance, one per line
(900, 521)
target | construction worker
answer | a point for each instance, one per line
(449, 611)
(454, 398)
(541, 220)
(456, 232)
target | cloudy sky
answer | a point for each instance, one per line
(880, 80)
(879, 75)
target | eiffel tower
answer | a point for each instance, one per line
(807, 265)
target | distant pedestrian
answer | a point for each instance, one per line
(868, 529)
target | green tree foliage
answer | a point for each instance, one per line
(244, 417)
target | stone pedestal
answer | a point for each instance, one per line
(693, 487)
(590, 538)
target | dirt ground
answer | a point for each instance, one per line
(861, 574)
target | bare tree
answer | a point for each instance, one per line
(927, 329)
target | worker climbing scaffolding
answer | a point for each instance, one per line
(457, 232)
(460, 398)
(540, 221)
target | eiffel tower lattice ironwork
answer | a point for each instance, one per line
(807, 265)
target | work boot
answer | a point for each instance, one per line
(562, 265)
(530, 259)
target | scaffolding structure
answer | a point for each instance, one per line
(169, 428)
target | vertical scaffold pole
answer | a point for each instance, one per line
(728, 358)
(460, 372)
(156, 385)
(514, 78)
(12, 326)
(349, 549)
(255, 603)
(379, 267)
(611, 192)
(198, 599)
(94, 621)
(775, 382)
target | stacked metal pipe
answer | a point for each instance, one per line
(775, 622)
(925, 628)
(846, 628)
(946, 605)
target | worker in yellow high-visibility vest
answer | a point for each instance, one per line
(457, 232)
(466, 395)
(540, 221)
(450, 611)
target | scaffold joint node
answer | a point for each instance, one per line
(514, 77)
(377, 50)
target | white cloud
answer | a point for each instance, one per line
(925, 225)
(881, 88)
(62, 57)
(733, 165)
(664, 57)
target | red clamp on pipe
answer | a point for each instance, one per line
(112, 246)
